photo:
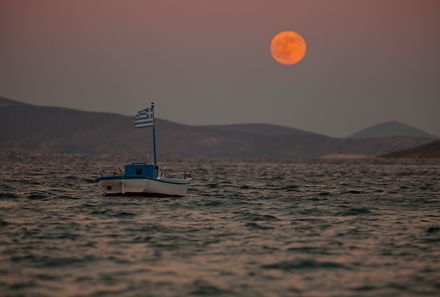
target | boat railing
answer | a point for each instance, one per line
(171, 173)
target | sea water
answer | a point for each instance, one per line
(246, 228)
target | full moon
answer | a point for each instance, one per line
(288, 47)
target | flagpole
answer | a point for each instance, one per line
(154, 135)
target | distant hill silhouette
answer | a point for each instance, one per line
(390, 129)
(42, 129)
(9, 102)
(427, 151)
(260, 129)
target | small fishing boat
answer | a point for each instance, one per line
(144, 179)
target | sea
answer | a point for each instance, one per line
(246, 228)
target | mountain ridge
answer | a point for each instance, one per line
(9, 102)
(261, 128)
(61, 130)
(388, 129)
(426, 151)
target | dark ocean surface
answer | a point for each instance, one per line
(247, 228)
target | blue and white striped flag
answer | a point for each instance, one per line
(145, 118)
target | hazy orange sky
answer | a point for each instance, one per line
(209, 62)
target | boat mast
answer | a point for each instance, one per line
(154, 135)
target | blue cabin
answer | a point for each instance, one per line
(134, 170)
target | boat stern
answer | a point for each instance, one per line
(111, 185)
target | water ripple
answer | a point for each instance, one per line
(247, 228)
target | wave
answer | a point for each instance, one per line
(301, 264)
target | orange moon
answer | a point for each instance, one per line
(288, 47)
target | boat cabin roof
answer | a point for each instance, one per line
(141, 169)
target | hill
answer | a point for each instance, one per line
(9, 102)
(42, 129)
(427, 151)
(260, 129)
(390, 129)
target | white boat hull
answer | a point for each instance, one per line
(118, 186)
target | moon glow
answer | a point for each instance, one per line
(288, 47)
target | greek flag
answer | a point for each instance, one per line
(145, 118)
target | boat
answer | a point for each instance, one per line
(145, 179)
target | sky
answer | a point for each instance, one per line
(208, 62)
